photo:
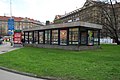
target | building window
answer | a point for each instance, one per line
(73, 36)
(47, 37)
(41, 37)
(54, 36)
(63, 37)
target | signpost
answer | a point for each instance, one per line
(11, 28)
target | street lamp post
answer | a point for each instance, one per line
(11, 8)
(11, 23)
(0, 28)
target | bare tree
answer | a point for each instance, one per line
(110, 21)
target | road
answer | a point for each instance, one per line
(5, 75)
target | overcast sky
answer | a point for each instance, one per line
(41, 10)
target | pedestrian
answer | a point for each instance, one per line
(22, 40)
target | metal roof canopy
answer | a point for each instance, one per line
(65, 25)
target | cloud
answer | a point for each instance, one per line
(4, 9)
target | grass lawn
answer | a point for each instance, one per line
(101, 64)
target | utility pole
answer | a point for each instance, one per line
(11, 8)
(0, 28)
(11, 23)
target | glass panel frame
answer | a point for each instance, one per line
(30, 37)
(47, 36)
(41, 35)
(26, 37)
(90, 37)
(96, 38)
(54, 37)
(63, 37)
(73, 36)
(83, 37)
(36, 37)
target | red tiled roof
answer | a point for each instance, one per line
(5, 18)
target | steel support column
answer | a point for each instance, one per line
(44, 37)
(79, 37)
(38, 38)
(28, 38)
(33, 37)
(98, 37)
(67, 36)
(58, 36)
(50, 37)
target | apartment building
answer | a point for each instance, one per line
(20, 23)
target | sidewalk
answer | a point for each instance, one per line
(6, 46)
(9, 75)
(4, 75)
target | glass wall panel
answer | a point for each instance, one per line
(73, 35)
(84, 37)
(41, 37)
(90, 37)
(47, 37)
(30, 37)
(26, 37)
(36, 37)
(63, 37)
(96, 37)
(54, 36)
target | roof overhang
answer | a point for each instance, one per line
(66, 25)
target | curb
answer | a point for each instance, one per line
(26, 74)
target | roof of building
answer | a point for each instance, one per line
(65, 25)
(5, 18)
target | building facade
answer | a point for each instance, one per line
(19, 24)
(90, 12)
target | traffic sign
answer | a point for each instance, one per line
(10, 32)
(10, 24)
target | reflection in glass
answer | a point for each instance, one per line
(90, 37)
(30, 37)
(83, 37)
(41, 37)
(36, 37)
(26, 37)
(96, 37)
(73, 36)
(54, 36)
(63, 37)
(47, 37)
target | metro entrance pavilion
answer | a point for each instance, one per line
(70, 36)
